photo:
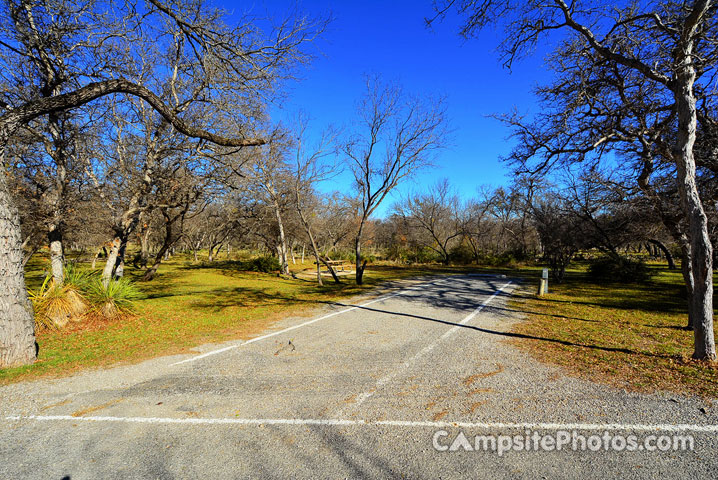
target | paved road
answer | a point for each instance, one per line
(370, 388)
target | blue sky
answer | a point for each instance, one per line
(390, 39)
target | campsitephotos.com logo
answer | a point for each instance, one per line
(566, 440)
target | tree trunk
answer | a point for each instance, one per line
(97, 255)
(331, 270)
(701, 248)
(145, 246)
(282, 247)
(120, 264)
(360, 266)
(162, 253)
(17, 325)
(666, 253)
(214, 251)
(317, 257)
(687, 272)
(57, 257)
(111, 262)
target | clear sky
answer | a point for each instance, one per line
(390, 38)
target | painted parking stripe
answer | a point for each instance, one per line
(280, 332)
(335, 422)
(404, 366)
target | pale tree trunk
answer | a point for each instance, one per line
(282, 247)
(57, 199)
(17, 325)
(213, 252)
(57, 257)
(97, 255)
(304, 246)
(111, 262)
(701, 248)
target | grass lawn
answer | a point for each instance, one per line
(187, 305)
(630, 336)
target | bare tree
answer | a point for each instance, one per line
(308, 170)
(269, 172)
(92, 42)
(409, 130)
(437, 214)
(659, 55)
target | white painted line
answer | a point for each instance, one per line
(383, 381)
(257, 339)
(358, 422)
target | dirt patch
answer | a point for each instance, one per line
(472, 378)
(438, 416)
(87, 410)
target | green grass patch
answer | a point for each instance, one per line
(628, 335)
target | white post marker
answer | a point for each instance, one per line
(543, 285)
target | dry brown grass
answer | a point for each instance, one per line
(628, 336)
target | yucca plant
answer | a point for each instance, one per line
(81, 279)
(115, 299)
(56, 305)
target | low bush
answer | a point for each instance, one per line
(265, 264)
(55, 306)
(115, 299)
(619, 269)
(461, 254)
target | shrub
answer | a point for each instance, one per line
(265, 264)
(619, 269)
(56, 305)
(461, 254)
(422, 255)
(81, 279)
(117, 298)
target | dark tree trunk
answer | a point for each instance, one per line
(164, 250)
(687, 272)
(360, 266)
(666, 253)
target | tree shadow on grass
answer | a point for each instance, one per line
(654, 296)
